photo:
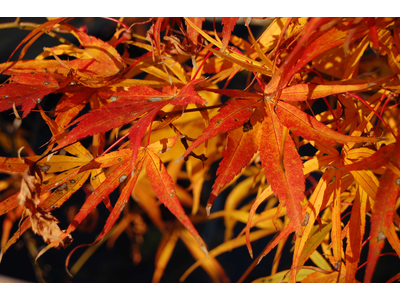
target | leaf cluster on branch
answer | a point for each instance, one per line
(158, 118)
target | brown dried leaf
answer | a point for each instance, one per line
(43, 223)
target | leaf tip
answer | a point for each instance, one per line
(208, 209)
(259, 260)
(204, 249)
(179, 159)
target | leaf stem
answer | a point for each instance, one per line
(171, 113)
(370, 107)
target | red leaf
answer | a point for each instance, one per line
(282, 235)
(229, 25)
(287, 183)
(191, 32)
(105, 118)
(138, 130)
(309, 128)
(382, 213)
(381, 218)
(113, 180)
(122, 200)
(317, 44)
(373, 33)
(188, 95)
(107, 61)
(26, 90)
(237, 154)
(165, 191)
(233, 115)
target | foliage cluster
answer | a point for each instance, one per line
(326, 180)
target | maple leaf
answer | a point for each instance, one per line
(261, 126)
(232, 115)
(188, 95)
(236, 155)
(191, 32)
(163, 186)
(287, 179)
(130, 106)
(229, 25)
(26, 90)
(382, 212)
(308, 127)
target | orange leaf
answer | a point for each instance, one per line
(309, 128)
(165, 191)
(236, 155)
(375, 161)
(382, 213)
(107, 61)
(188, 95)
(122, 200)
(230, 116)
(193, 33)
(287, 180)
(336, 221)
(355, 234)
(9, 204)
(229, 25)
(382, 217)
(113, 180)
(307, 91)
(373, 33)
(26, 90)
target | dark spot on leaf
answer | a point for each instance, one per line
(219, 121)
(235, 120)
(122, 178)
(381, 236)
(44, 168)
(119, 159)
(306, 218)
(72, 181)
(5, 97)
(247, 126)
(62, 187)
(45, 182)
